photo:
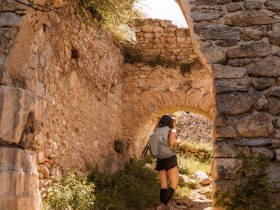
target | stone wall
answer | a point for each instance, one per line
(175, 82)
(61, 108)
(162, 38)
(238, 41)
(149, 92)
(66, 96)
(193, 127)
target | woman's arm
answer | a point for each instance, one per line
(172, 139)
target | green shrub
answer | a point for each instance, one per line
(114, 15)
(70, 193)
(133, 187)
(191, 165)
(202, 147)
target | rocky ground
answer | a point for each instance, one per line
(196, 201)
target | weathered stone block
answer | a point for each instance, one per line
(265, 67)
(43, 169)
(277, 154)
(224, 120)
(262, 152)
(255, 125)
(226, 42)
(252, 4)
(248, 18)
(275, 143)
(276, 27)
(10, 19)
(274, 106)
(224, 149)
(274, 41)
(276, 122)
(241, 62)
(255, 33)
(273, 5)
(224, 132)
(55, 172)
(234, 103)
(217, 32)
(206, 15)
(276, 133)
(229, 85)
(224, 1)
(274, 92)
(260, 83)
(158, 29)
(261, 104)
(15, 104)
(214, 54)
(274, 174)
(234, 7)
(250, 50)
(19, 180)
(227, 72)
(274, 38)
(147, 28)
(204, 2)
(254, 142)
(226, 168)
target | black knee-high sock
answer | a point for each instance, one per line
(168, 195)
(162, 194)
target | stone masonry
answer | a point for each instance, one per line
(60, 100)
(163, 86)
(162, 38)
(238, 42)
(67, 96)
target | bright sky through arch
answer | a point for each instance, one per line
(163, 9)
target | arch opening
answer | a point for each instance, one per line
(194, 158)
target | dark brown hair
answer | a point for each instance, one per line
(167, 120)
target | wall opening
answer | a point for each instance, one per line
(195, 159)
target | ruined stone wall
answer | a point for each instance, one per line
(175, 82)
(238, 41)
(149, 92)
(151, 89)
(163, 39)
(60, 99)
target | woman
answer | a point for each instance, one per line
(168, 168)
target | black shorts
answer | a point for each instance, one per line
(166, 164)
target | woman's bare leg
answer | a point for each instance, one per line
(173, 177)
(163, 179)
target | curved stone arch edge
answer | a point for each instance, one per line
(183, 4)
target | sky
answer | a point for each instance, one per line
(163, 9)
